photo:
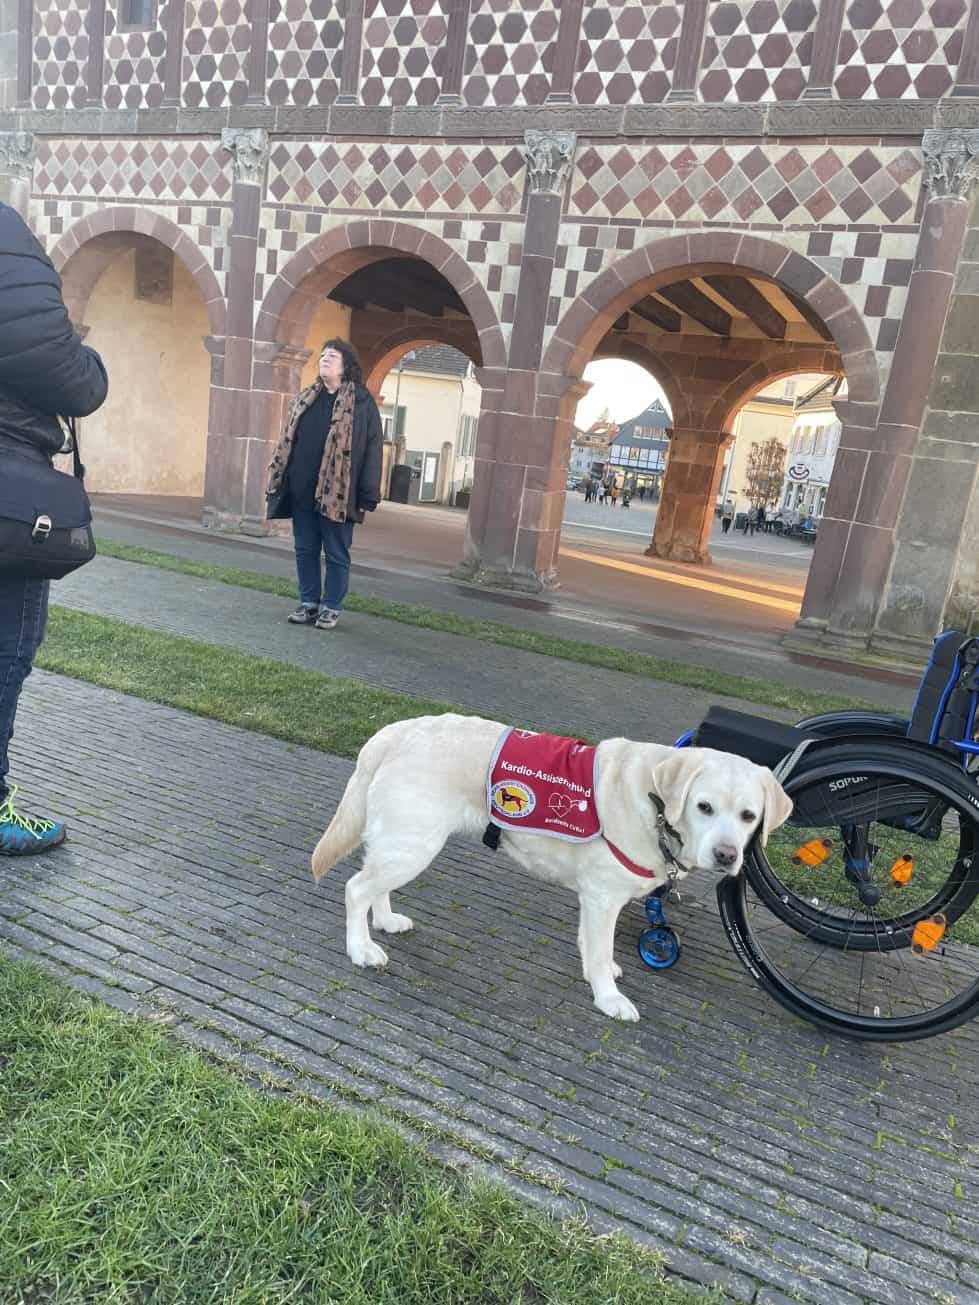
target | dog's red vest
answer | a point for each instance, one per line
(544, 784)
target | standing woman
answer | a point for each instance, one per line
(325, 474)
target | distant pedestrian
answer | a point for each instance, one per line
(727, 517)
(615, 494)
(642, 493)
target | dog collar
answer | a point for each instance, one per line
(667, 833)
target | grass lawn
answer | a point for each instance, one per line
(132, 1170)
(765, 692)
(326, 712)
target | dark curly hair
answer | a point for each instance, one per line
(351, 363)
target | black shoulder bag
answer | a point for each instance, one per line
(45, 516)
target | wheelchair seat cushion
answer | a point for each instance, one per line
(765, 742)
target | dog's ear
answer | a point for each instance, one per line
(672, 779)
(778, 806)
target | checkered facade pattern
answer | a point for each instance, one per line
(416, 177)
(60, 50)
(510, 52)
(627, 52)
(305, 45)
(468, 195)
(133, 66)
(192, 171)
(757, 52)
(735, 183)
(217, 41)
(900, 49)
(404, 51)
(754, 51)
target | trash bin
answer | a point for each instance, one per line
(400, 484)
(740, 521)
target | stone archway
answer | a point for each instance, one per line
(142, 293)
(338, 253)
(87, 247)
(716, 369)
(281, 348)
(591, 316)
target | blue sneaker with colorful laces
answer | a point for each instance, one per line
(21, 836)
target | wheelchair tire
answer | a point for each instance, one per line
(916, 764)
(828, 957)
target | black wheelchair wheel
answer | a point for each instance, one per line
(883, 803)
(869, 926)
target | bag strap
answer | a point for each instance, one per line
(76, 457)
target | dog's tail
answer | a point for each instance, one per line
(346, 829)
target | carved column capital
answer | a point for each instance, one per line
(249, 147)
(17, 154)
(549, 155)
(951, 161)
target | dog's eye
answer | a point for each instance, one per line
(706, 808)
(748, 817)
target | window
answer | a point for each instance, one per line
(789, 391)
(136, 13)
(820, 439)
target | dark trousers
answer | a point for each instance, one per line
(315, 537)
(23, 620)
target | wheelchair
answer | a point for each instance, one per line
(860, 915)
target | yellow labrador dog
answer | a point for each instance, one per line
(418, 781)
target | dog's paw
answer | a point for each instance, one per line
(367, 954)
(616, 970)
(619, 1007)
(393, 923)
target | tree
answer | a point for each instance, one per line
(765, 472)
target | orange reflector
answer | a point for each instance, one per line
(902, 869)
(928, 934)
(814, 852)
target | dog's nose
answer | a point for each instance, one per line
(725, 855)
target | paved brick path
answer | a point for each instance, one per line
(745, 1145)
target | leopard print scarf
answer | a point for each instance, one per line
(333, 485)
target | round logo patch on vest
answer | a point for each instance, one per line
(513, 798)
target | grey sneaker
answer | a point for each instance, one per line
(327, 619)
(302, 616)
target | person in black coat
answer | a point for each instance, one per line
(45, 373)
(326, 474)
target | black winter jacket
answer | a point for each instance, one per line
(45, 370)
(366, 456)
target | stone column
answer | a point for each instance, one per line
(16, 170)
(524, 438)
(237, 436)
(686, 511)
(867, 510)
(932, 580)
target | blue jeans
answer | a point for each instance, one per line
(23, 620)
(313, 535)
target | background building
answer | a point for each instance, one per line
(638, 453)
(812, 448)
(770, 414)
(220, 186)
(430, 408)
